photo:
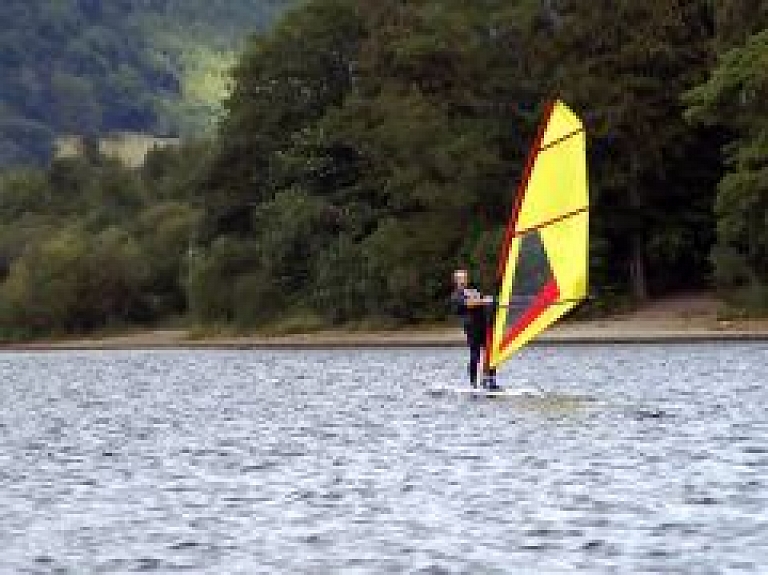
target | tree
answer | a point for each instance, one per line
(73, 282)
(737, 20)
(734, 97)
(626, 64)
(283, 83)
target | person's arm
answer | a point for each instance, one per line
(478, 301)
(462, 300)
(459, 302)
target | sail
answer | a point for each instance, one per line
(543, 262)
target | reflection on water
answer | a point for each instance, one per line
(639, 459)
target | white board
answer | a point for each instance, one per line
(480, 392)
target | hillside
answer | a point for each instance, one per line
(84, 67)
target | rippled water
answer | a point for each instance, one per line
(638, 459)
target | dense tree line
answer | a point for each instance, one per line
(87, 67)
(88, 243)
(383, 125)
(369, 146)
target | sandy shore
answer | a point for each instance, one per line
(592, 332)
(674, 320)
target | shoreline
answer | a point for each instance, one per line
(627, 331)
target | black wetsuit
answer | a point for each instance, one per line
(475, 321)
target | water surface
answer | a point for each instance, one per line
(635, 459)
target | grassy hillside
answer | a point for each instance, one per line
(84, 67)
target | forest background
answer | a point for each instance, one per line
(339, 157)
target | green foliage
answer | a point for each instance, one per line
(74, 282)
(213, 281)
(165, 232)
(627, 64)
(76, 66)
(737, 20)
(734, 98)
(23, 141)
(365, 149)
(407, 124)
(349, 159)
(342, 289)
(88, 243)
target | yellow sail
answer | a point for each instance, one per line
(543, 264)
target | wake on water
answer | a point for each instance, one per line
(520, 395)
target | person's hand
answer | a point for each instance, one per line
(478, 300)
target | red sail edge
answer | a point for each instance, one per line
(519, 196)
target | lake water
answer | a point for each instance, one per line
(634, 459)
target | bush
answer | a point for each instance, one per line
(74, 282)
(213, 276)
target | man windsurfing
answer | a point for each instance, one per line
(475, 311)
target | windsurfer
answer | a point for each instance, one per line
(475, 311)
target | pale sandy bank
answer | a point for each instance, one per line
(672, 320)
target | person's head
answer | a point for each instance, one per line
(461, 278)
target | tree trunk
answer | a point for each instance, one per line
(637, 272)
(637, 276)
